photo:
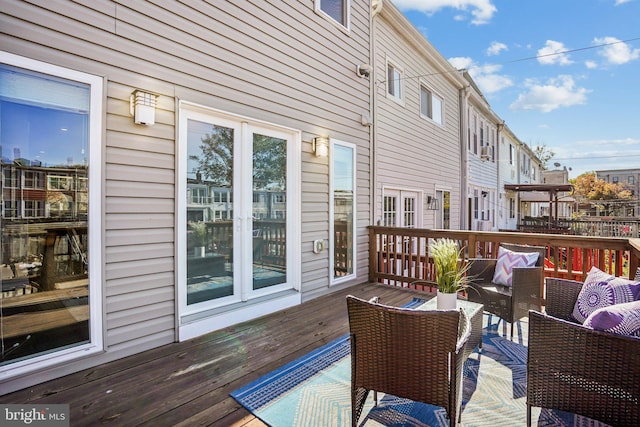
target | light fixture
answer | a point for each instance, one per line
(363, 70)
(320, 146)
(142, 106)
(432, 203)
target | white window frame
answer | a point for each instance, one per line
(399, 98)
(96, 332)
(336, 280)
(431, 95)
(346, 26)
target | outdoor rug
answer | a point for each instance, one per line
(315, 390)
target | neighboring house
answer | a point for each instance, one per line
(530, 172)
(207, 206)
(629, 179)
(480, 136)
(417, 152)
(508, 202)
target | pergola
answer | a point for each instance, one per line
(551, 189)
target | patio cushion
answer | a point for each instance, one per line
(507, 260)
(623, 319)
(600, 290)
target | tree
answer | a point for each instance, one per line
(215, 161)
(544, 154)
(610, 197)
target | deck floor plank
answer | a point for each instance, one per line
(189, 383)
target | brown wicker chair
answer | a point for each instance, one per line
(509, 303)
(412, 354)
(576, 369)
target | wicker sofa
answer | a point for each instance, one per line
(576, 369)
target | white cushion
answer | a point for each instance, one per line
(507, 260)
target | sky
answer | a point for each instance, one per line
(564, 74)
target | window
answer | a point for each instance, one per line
(9, 176)
(394, 81)
(475, 134)
(343, 210)
(337, 10)
(512, 208)
(512, 152)
(475, 204)
(34, 180)
(430, 105)
(630, 180)
(615, 180)
(389, 211)
(53, 118)
(481, 133)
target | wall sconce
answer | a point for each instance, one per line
(432, 203)
(321, 146)
(142, 106)
(364, 70)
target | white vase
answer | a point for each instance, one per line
(446, 300)
(199, 251)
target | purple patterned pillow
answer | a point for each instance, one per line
(602, 290)
(503, 274)
(623, 319)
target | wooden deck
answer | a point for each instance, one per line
(188, 383)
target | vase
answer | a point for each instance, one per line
(199, 251)
(446, 300)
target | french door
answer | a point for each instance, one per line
(239, 185)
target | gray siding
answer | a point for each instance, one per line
(411, 151)
(278, 62)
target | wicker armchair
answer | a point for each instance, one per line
(412, 354)
(576, 369)
(509, 303)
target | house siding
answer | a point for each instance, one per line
(413, 152)
(277, 62)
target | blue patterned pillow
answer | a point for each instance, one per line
(602, 290)
(623, 319)
(507, 260)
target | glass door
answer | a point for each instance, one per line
(236, 206)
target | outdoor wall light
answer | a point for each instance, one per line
(142, 106)
(321, 146)
(432, 203)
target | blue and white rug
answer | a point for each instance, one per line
(315, 391)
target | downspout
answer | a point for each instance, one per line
(376, 7)
(463, 97)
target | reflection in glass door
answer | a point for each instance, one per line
(209, 211)
(269, 211)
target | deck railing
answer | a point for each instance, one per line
(400, 256)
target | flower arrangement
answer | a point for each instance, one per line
(451, 272)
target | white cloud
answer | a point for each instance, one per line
(495, 48)
(486, 76)
(591, 64)
(551, 54)
(556, 93)
(481, 10)
(616, 51)
(619, 2)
